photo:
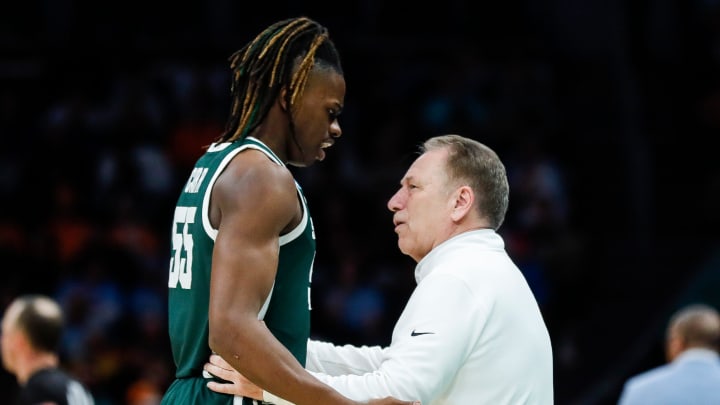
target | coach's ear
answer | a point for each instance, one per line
(463, 200)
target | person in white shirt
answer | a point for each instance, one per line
(472, 331)
(692, 372)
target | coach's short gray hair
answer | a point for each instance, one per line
(474, 164)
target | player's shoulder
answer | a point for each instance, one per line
(253, 164)
(253, 173)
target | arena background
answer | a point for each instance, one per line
(606, 114)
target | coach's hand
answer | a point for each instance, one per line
(237, 383)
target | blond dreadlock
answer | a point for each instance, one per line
(270, 62)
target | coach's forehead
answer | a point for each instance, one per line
(429, 165)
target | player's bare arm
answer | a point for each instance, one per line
(255, 201)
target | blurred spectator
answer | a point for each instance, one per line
(692, 375)
(32, 327)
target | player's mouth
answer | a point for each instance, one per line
(328, 143)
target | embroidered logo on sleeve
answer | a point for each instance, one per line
(413, 333)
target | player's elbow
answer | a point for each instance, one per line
(223, 330)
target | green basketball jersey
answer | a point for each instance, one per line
(286, 311)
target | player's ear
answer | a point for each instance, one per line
(282, 98)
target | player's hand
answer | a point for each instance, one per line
(237, 384)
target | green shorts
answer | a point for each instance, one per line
(194, 391)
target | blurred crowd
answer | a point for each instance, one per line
(97, 145)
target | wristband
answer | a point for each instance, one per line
(274, 399)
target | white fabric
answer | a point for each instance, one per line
(326, 358)
(480, 337)
(269, 398)
(77, 395)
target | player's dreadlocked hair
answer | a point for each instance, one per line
(280, 56)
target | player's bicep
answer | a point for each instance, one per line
(243, 272)
(255, 208)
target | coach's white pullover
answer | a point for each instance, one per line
(471, 334)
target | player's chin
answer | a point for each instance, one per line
(306, 160)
